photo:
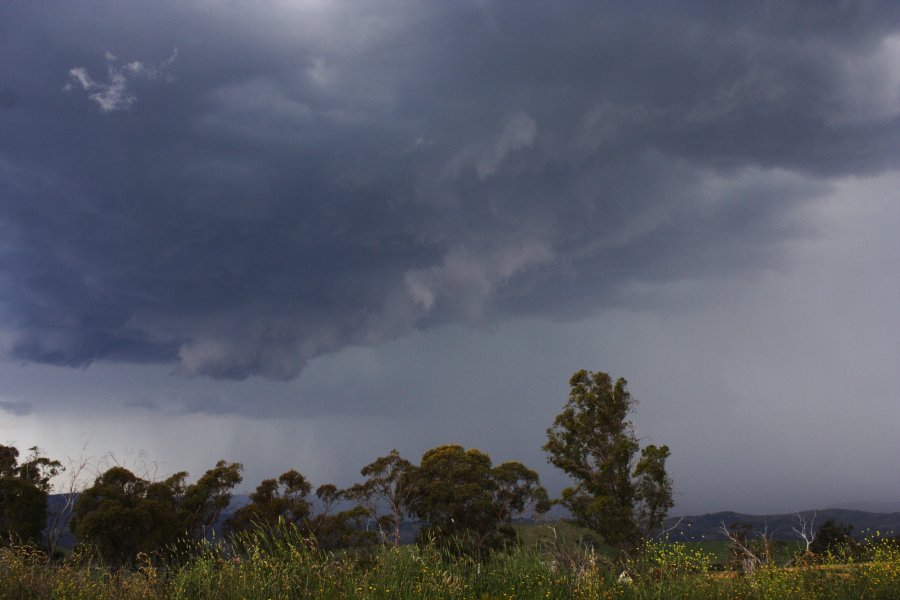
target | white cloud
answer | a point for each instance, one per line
(80, 76)
(115, 93)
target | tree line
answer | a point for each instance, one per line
(458, 496)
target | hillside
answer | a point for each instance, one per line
(780, 527)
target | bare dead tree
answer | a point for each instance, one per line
(766, 538)
(59, 512)
(572, 556)
(135, 461)
(667, 530)
(806, 529)
(751, 557)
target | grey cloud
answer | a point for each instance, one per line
(278, 201)
(469, 277)
(518, 132)
(19, 409)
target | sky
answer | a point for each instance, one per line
(300, 234)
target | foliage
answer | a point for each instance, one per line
(453, 492)
(653, 488)
(282, 564)
(122, 515)
(23, 509)
(275, 500)
(463, 499)
(386, 484)
(343, 529)
(39, 470)
(832, 538)
(202, 502)
(672, 560)
(592, 441)
(23, 494)
(284, 501)
(517, 489)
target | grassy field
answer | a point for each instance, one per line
(564, 533)
(291, 568)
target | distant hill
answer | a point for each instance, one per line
(708, 526)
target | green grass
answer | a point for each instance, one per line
(258, 567)
(533, 536)
(562, 532)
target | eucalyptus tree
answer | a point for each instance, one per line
(618, 492)
(387, 486)
(463, 500)
(24, 488)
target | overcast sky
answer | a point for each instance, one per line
(300, 234)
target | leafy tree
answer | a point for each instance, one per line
(9, 461)
(39, 470)
(339, 529)
(122, 515)
(517, 491)
(653, 488)
(386, 486)
(594, 443)
(832, 537)
(453, 492)
(23, 494)
(275, 500)
(202, 502)
(464, 500)
(285, 501)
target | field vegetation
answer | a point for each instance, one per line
(282, 562)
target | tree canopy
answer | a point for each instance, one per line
(831, 537)
(285, 502)
(618, 495)
(122, 514)
(388, 483)
(23, 494)
(275, 500)
(203, 502)
(461, 498)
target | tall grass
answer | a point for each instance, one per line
(270, 564)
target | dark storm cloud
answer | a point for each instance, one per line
(301, 179)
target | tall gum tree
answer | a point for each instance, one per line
(620, 495)
(386, 484)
